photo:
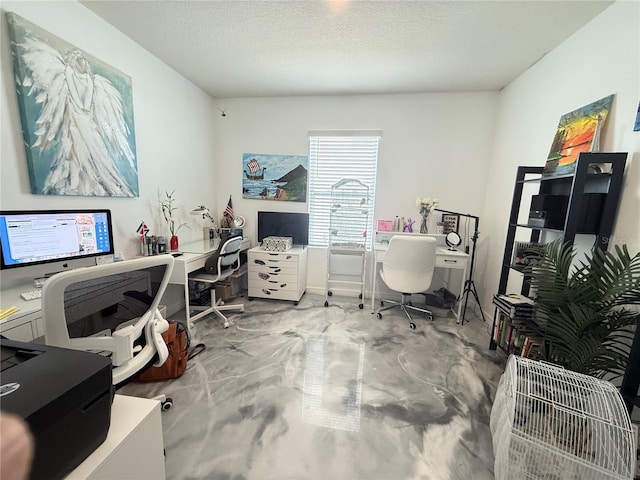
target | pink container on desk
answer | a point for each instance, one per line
(384, 225)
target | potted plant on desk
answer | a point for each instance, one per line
(166, 204)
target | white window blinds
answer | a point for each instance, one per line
(334, 156)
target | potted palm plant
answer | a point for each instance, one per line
(168, 209)
(583, 307)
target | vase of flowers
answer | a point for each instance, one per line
(425, 206)
(166, 204)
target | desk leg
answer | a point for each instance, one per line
(374, 281)
(187, 308)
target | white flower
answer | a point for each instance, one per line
(426, 205)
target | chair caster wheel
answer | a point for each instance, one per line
(295, 304)
(430, 317)
(361, 306)
(167, 404)
(360, 296)
(379, 315)
(412, 326)
(326, 303)
(329, 293)
(381, 303)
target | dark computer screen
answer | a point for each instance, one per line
(43, 236)
(284, 224)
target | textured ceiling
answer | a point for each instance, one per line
(285, 48)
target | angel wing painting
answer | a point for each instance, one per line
(76, 114)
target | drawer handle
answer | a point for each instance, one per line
(450, 261)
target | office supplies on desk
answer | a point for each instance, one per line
(5, 312)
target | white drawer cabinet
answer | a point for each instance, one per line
(277, 275)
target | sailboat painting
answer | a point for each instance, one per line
(274, 177)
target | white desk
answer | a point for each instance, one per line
(445, 258)
(194, 256)
(133, 449)
(26, 323)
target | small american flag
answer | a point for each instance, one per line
(142, 229)
(229, 209)
(253, 165)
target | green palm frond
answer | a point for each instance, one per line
(583, 306)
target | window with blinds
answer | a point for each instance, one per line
(334, 156)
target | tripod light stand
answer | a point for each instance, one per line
(469, 285)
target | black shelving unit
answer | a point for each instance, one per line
(631, 379)
(595, 175)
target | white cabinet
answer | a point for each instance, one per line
(23, 328)
(134, 447)
(277, 275)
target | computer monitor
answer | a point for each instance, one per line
(33, 237)
(284, 224)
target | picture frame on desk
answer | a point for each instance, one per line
(451, 222)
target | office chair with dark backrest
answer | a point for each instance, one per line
(407, 267)
(219, 266)
(110, 309)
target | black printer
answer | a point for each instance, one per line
(64, 396)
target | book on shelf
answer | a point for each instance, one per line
(501, 325)
(530, 347)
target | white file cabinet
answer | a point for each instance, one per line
(277, 275)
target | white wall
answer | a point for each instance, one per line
(433, 145)
(174, 123)
(600, 59)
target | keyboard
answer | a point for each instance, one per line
(31, 295)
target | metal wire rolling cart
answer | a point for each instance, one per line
(348, 222)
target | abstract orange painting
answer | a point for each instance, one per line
(575, 134)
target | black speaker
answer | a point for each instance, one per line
(548, 211)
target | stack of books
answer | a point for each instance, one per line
(512, 311)
(516, 306)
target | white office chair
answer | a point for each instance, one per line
(219, 266)
(111, 309)
(407, 267)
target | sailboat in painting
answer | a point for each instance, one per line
(254, 167)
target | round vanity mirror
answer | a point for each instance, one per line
(239, 221)
(453, 240)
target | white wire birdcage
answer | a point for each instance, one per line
(554, 424)
(348, 223)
